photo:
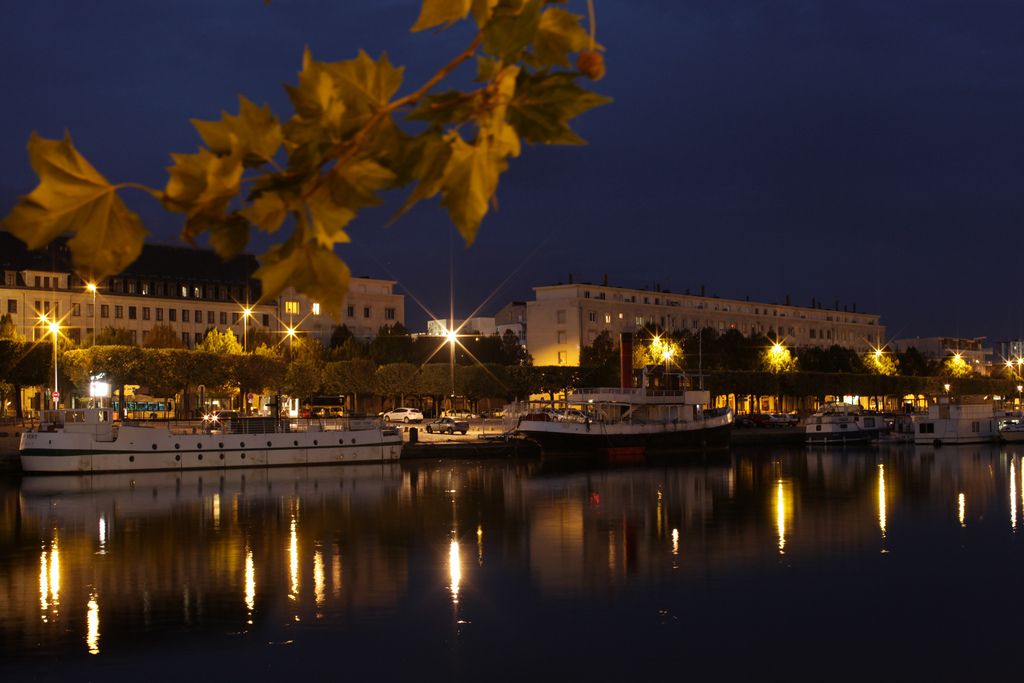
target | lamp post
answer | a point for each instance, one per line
(246, 312)
(452, 336)
(54, 329)
(91, 287)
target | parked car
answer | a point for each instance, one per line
(403, 415)
(460, 414)
(447, 425)
(759, 419)
(744, 422)
(783, 420)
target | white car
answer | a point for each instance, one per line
(403, 415)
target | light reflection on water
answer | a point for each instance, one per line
(176, 565)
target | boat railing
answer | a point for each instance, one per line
(264, 425)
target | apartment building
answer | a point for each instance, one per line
(564, 318)
(370, 304)
(189, 290)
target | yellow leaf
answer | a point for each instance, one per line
(73, 197)
(470, 179)
(203, 182)
(310, 269)
(256, 129)
(436, 12)
(267, 211)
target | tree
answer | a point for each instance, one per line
(351, 141)
(880, 363)
(8, 330)
(162, 336)
(220, 342)
(512, 352)
(391, 345)
(115, 336)
(777, 359)
(339, 336)
(956, 366)
(356, 377)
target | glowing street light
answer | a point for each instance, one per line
(54, 328)
(946, 387)
(246, 314)
(92, 288)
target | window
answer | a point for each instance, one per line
(183, 290)
(197, 292)
(586, 295)
(146, 288)
(291, 307)
(210, 317)
(76, 310)
(12, 305)
(620, 316)
(159, 314)
(389, 314)
(366, 311)
(592, 316)
(132, 312)
(562, 357)
(145, 312)
(350, 311)
(560, 317)
(104, 311)
(172, 314)
(11, 280)
(199, 317)
(316, 309)
(199, 337)
(184, 315)
(184, 339)
(145, 336)
(224, 317)
(38, 281)
(600, 295)
(132, 286)
(607, 318)
(266, 320)
(46, 282)
(561, 336)
(135, 337)
(234, 318)
(638, 320)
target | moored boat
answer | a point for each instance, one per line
(967, 420)
(88, 441)
(616, 418)
(841, 423)
(1012, 433)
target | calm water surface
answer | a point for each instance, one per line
(884, 562)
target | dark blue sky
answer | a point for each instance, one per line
(868, 151)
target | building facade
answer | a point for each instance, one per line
(189, 290)
(369, 305)
(564, 318)
(972, 350)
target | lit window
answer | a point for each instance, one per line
(291, 307)
(607, 318)
(316, 309)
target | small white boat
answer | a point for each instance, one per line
(1013, 432)
(88, 441)
(969, 420)
(842, 423)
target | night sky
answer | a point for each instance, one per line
(868, 151)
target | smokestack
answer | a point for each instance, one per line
(626, 360)
(787, 299)
(605, 280)
(702, 290)
(570, 278)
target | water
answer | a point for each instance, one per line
(880, 562)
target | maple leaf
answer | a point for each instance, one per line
(436, 12)
(558, 34)
(544, 103)
(310, 269)
(73, 197)
(255, 128)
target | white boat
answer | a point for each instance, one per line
(88, 441)
(842, 423)
(1012, 432)
(646, 419)
(968, 420)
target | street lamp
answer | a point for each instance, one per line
(91, 287)
(290, 331)
(54, 328)
(246, 314)
(666, 356)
